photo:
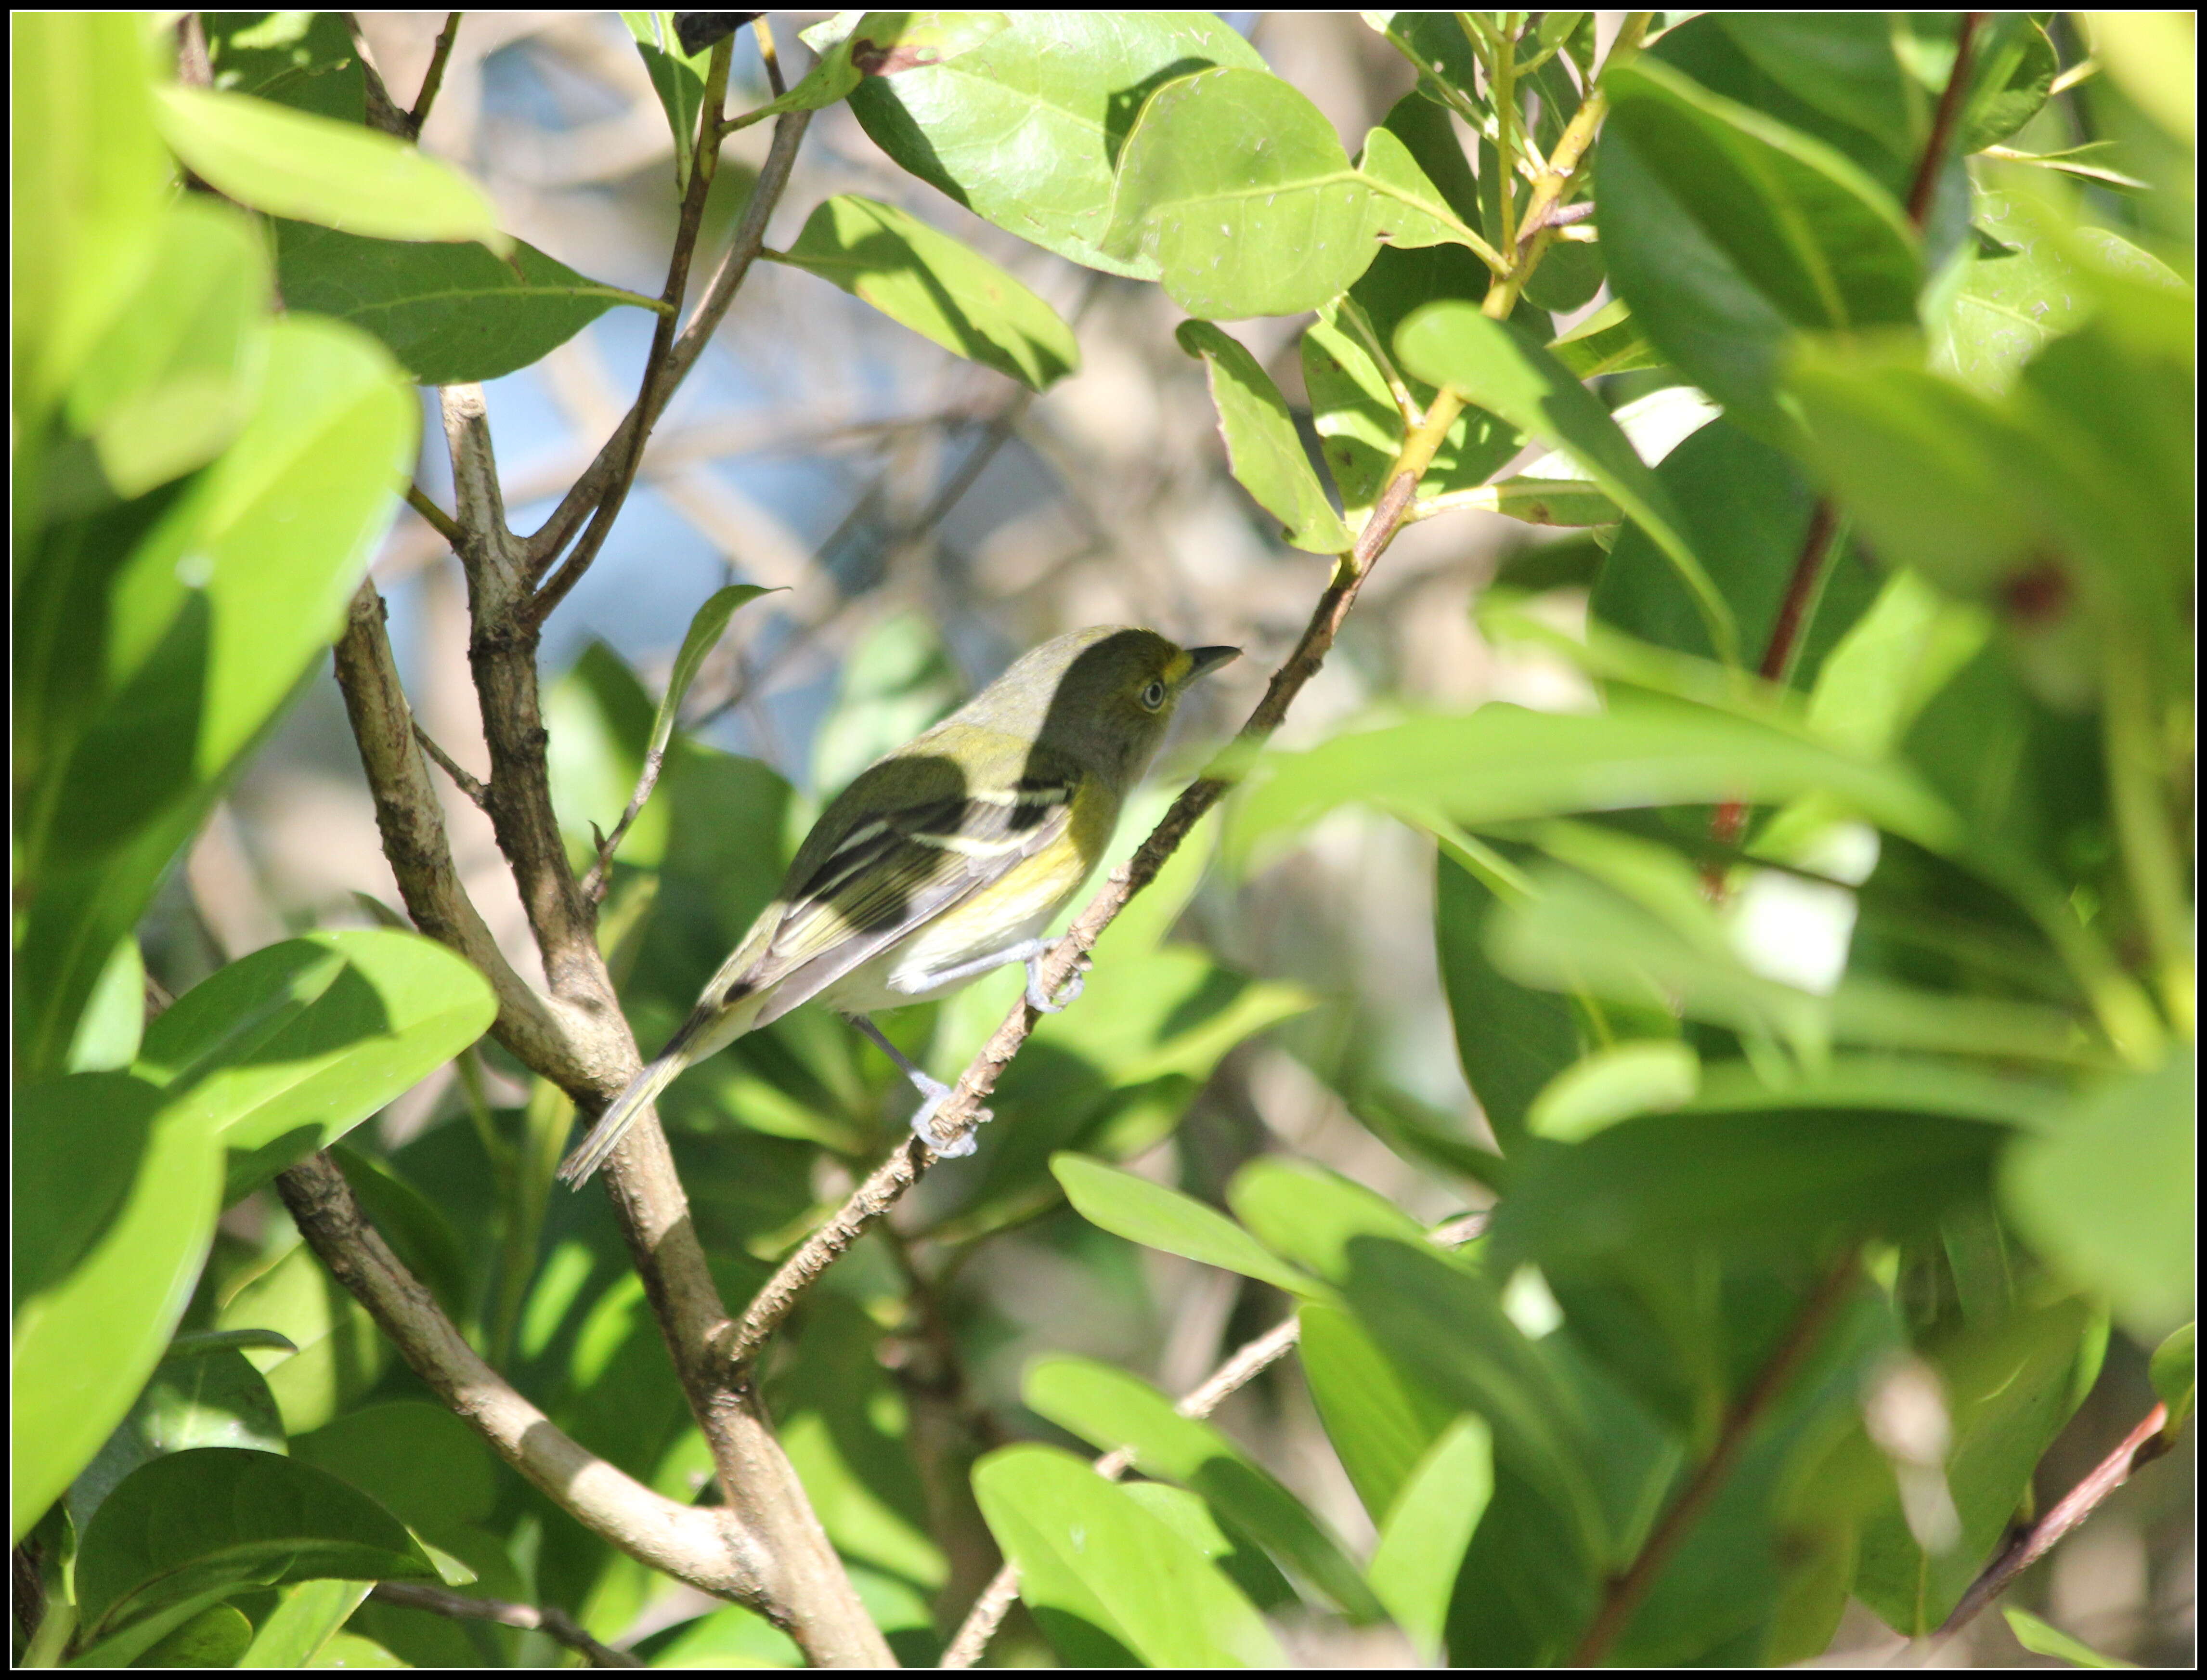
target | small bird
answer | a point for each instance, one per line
(945, 858)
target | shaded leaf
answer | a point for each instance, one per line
(1262, 447)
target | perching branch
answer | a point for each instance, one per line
(2145, 1444)
(1241, 1368)
(554, 1623)
(1625, 1592)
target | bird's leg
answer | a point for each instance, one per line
(932, 1091)
(1028, 951)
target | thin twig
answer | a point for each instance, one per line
(446, 527)
(1626, 1592)
(593, 884)
(706, 153)
(554, 1623)
(763, 35)
(467, 784)
(1241, 1368)
(433, 79)
(589, 490)
(2141, 1446)
(1943, 122)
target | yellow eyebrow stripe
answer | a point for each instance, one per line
(1177, 667)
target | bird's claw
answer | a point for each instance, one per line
(1075, 983)
(923, 1123)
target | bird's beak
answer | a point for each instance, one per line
(1205, 660)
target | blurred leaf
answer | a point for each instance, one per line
(416, 1228)
(155, 644)
(178, 373)
(114, 1019)
(706, 626)
(340, 1353)
(2105, 1195)
(1310, 1216)
(305, 1619)
(733, 1637)
(854, 47)
(1102, 1576)
(1157, 1217)
(898, 683)
(1498, 368)
(1114, 1412)
(191, 1344)
(1728, 232)
(1639, 1076)
(1238, 1558)
(2007, 1391)
(312, 168)
(1501, 764)
(281, 1052)
(1262, 447)
(115, 1210)
(1606, 341)
(1757, 1183)
(2175, 1377)
(215, 1399)
(221, 1517)
(1422, 1541)
(1382, 1422)
(2047, 1640)
(215, 1638)
(89, 184)
(939, 287)
(423, 1464)
(350, 1650)
(843, 1422)
(1235, 186)
(1069, 85)
(451, 313)
(599, 719)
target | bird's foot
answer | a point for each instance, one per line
(922, 1124)
(1075, 983)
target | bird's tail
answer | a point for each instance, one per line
(613, 1125)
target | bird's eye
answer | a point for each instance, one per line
(1154, 695)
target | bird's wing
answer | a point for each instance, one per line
(895, 871)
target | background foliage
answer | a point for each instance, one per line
(1801, 842)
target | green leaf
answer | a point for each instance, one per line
(451, 313)
(1755, 1182)
(2049, 1640)
(1418, 213)
(114, 1019)
(1497, 368)
(1310, 1217)
(733, 1637)
(281, 1052)
(215, 1399)
(2175, 1377)
(1101, 1574)
(215, 1638)
(340, 1354)
(939, 287)
(1639, 1076)
(1606, 341)
(1382, 1421)
(192, 1344)
(1237, 188)
(220, 1517)
(1500, 765)
(1068, 83)
(1424, 1537)
(90, 180)
(678, 79)
(853, 48)
(116, 1209)
(1114, 1412)
(305, 1619)
(424, 1466)
(2105, 1196)
(156, 644)
(1157, 1217)
(178, 373)
(311, 168)
(1262, 447)
(1727, 233)
(1236, 1556)
(706, 626)
(305, 60)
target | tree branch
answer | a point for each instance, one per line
(2141, 1446)
(477, 794)
(433, 79)
(597, 481)
(711, 1547)
(551, 1621)
(1626, 1592)
(1240, 1369)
